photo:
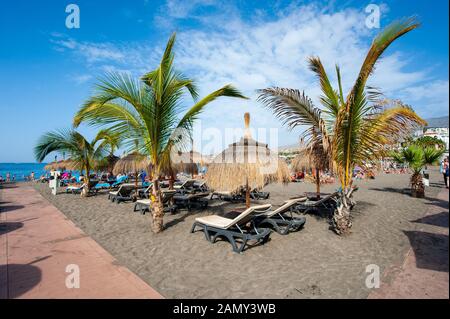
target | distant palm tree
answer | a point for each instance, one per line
(430, 141)
(150, 110)
(349, 130)
(83, 155)
(417, 157)
(112, 141)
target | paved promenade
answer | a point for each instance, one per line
(424, 273)
(37, 246)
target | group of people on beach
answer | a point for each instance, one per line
(9, 178)
(12, 177)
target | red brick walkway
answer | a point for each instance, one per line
(37, 243)
(424, 273)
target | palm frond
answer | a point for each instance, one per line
(294, 108)
(330, 98)
(379, 45)
(192, 114)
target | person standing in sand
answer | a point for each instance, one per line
(444, 169)
(8, 177)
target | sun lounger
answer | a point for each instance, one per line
(327, 202)
(278, 219)
(200, 186)
(74, 189)
(230, 196)
(121, 180)
(124, 193)
(187, 185)
(145, 204)
(215, 226)
(190, 200)
(145, 193)
(256, 194)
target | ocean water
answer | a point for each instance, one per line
(22, 170)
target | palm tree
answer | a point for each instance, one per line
(83, 154)
(149, 110)
(352, 130)
(417, 157)
(430, 141)
(112, 141)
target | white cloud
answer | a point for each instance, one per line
(431, 98)
(92, 52)
(270, 51)
(184, 8)
(81, 79)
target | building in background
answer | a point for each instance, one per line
(437, 127)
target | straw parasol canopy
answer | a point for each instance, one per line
(107, 163)
(313, 157)
(60, 165)
(247, 163)
(188, 168)
(132, 162)
(187, 162)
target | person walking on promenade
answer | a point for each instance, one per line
(444, 169)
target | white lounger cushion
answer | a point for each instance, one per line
(144, 202)
(75, 187)
(224, 193)
(287, 204)
(215, 221)
(224, 223)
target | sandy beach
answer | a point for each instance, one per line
(312, 263)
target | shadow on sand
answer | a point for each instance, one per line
(8, 185)
(430, 250)
(5, 209)
(403, 191)
(440, 219)
(9, 227)
(21, 278)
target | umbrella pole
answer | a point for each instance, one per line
(171, 180)
(247, 194)
(136, 183)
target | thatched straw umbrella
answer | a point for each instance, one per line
(60, 165)
(186, 162)
(107, 163)
(188, 168)
(247, 163)
(133, 162)
(315, 159)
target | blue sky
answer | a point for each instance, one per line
(48, 70)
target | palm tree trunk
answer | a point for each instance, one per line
(85, 190)
(341, 221)
(157, 208)
(417, 186)
(171, 180)
(318, 183)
